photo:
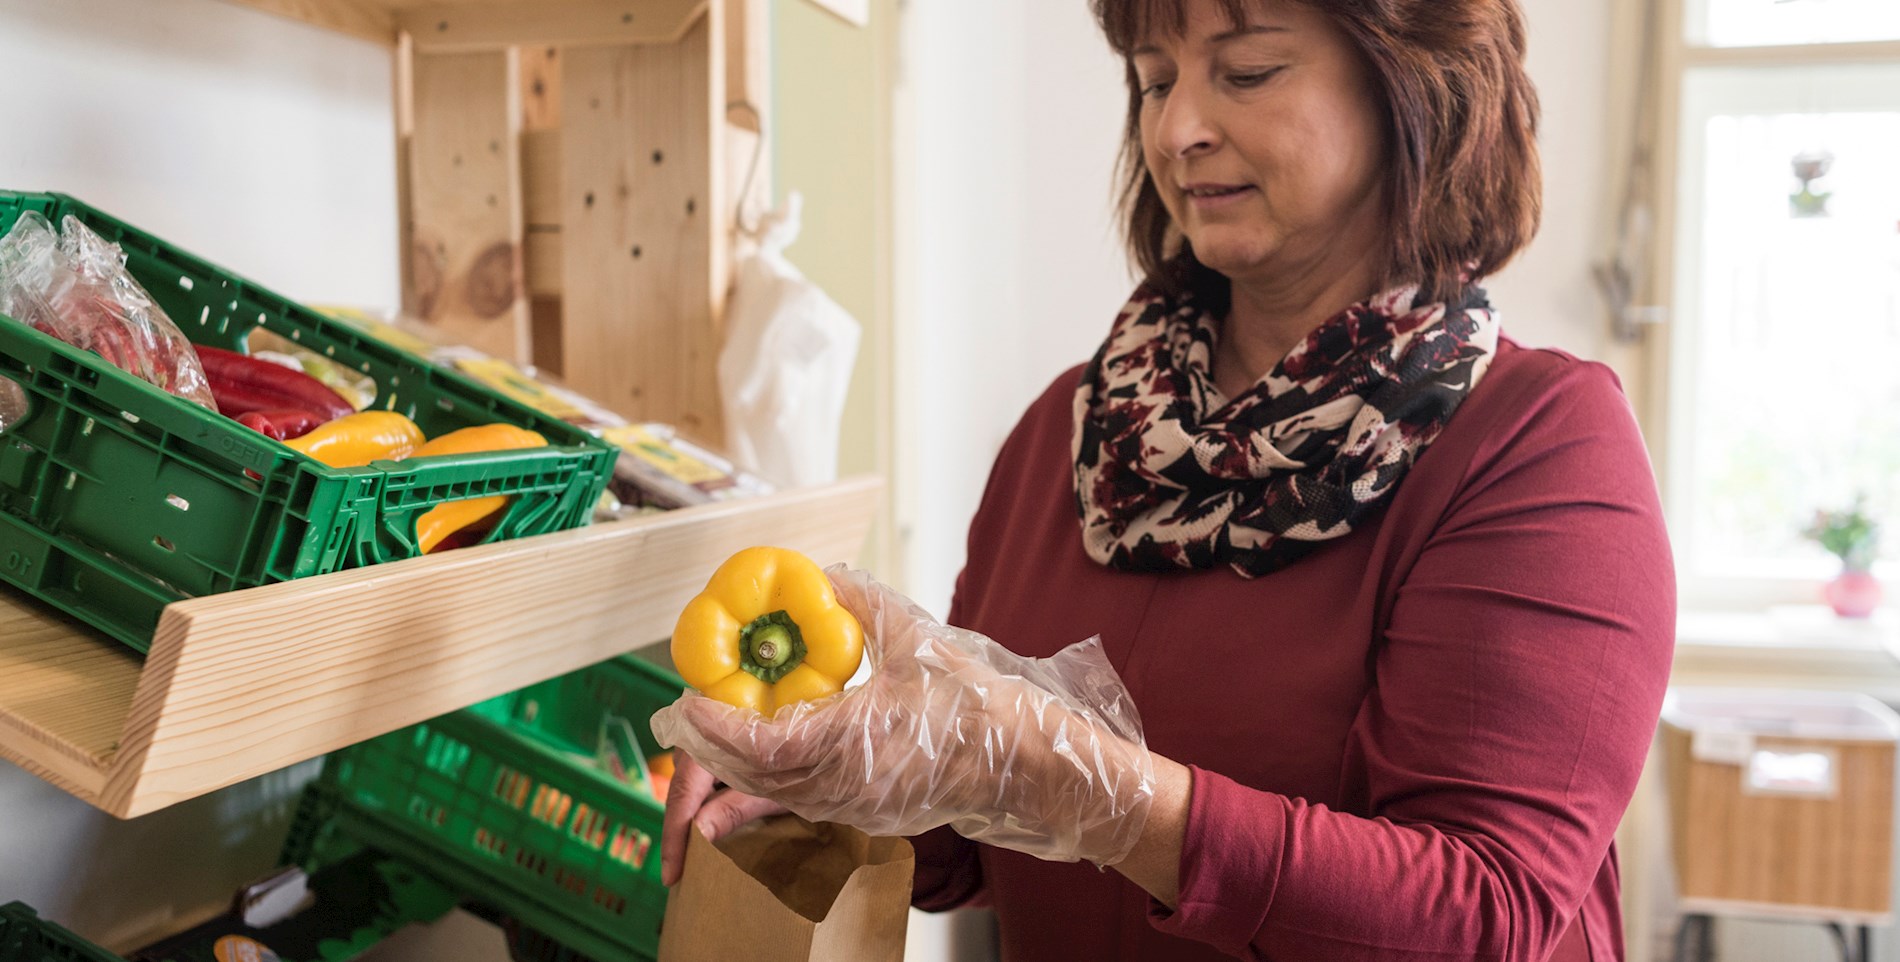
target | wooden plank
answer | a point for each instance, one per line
(465, 201)
(643, 227)
(366, 19)
(547, 333)
(245, 683)
(543, 263)
(493, 26)
(64, 694)
(541, 178)
(540, 88)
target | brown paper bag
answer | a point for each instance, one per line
(786, 890)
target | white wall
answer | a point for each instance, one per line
(266, 146)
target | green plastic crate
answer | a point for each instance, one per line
(25, 937)
(503, 803)
(117, 498)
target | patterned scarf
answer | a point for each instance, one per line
(1168, 474)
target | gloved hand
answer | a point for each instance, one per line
(1043, 756)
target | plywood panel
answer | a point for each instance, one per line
(465, 225)
(494, 25)
(368, 19)
(642, 218)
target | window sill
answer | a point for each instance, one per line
(1800, 646)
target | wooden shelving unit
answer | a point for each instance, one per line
(567, 174)
(245, 683)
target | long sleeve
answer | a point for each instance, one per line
(1523, 663)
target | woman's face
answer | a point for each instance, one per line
(1267, 141)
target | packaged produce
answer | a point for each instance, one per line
(436, 525)
(73, 285)
(361, 438)
(352, 385)
(658, 468)
(767, 632)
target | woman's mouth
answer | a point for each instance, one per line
(1206, 196)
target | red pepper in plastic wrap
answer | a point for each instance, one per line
(73, 285)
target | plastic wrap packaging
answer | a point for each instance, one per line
(74, 286)
(1042, 756)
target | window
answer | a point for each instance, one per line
(1783, 287)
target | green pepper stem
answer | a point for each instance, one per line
(771, 646)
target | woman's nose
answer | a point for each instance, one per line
(1187, 127)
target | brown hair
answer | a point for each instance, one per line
(1465, 185)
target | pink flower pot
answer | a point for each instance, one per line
(1855, 594)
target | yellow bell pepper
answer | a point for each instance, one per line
(358, 439)
(441, 521)
(767, 632)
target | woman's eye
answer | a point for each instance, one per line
(1157, 89)
(1248, 80)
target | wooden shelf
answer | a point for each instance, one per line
(241, 684)
(447, 25)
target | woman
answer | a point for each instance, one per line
(1391, 593)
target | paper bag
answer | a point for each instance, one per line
(786, 890)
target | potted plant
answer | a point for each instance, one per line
(1853, 536)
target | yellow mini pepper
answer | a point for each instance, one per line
(443, 520)
(356, 440)
(767, 632)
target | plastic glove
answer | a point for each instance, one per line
(1043, 756)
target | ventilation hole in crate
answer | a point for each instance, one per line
(295, 335)
(13, 406)
(164, 545)
(445, 404)
(224, 324)
(330, 351)
(129, 417)
(185, 283)
(204, 315)
(365, 366)
(395, 381)
(530, 710)
(178, 502)
(231, 306)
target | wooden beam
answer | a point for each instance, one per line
(643, 268)
(364, 19)
(465, 219)
(569, 23)
(748, 60)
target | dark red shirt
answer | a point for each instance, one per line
(1415, 743)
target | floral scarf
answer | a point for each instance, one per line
(1169, 474)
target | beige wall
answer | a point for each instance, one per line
(832, 144)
